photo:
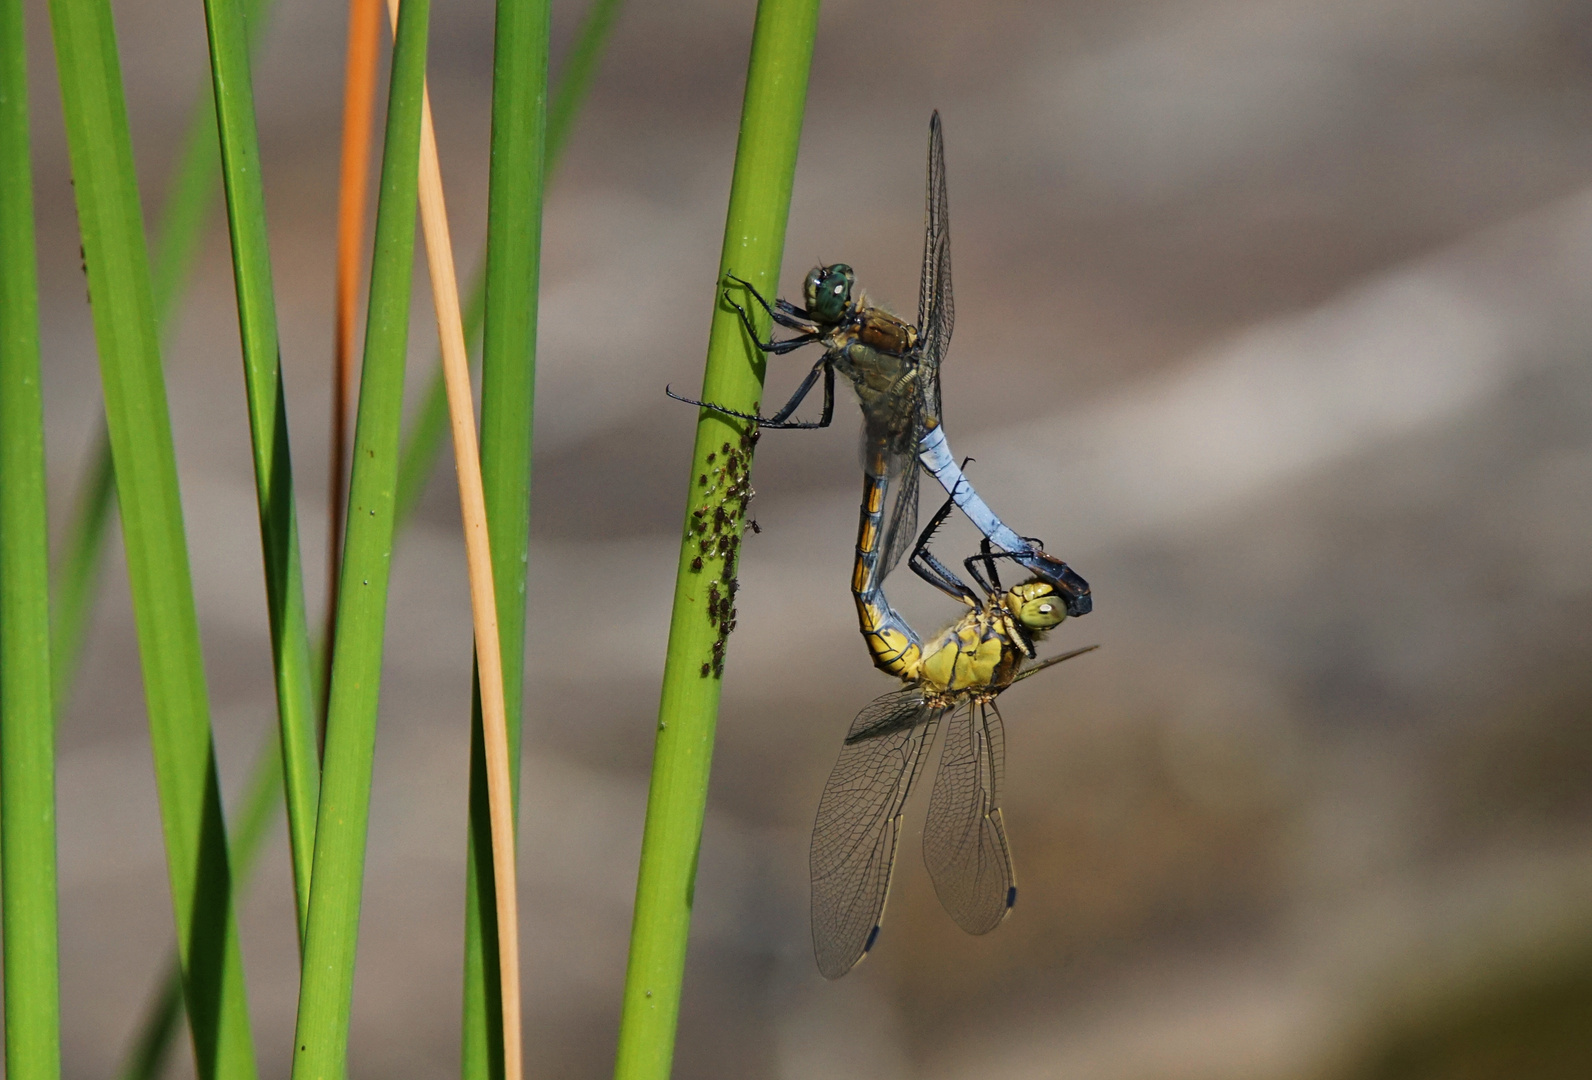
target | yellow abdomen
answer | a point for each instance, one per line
(893, 651)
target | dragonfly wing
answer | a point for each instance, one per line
(901, 527)
(936, 307)
(964, 839)
(859, 825)
(936, 311)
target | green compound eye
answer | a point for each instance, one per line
(1037, 606)
(828, 292)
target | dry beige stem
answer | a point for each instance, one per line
(478, 554)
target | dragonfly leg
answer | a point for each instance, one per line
(987, 556)
(936, 573)
(781, 421)
(1024, 638)
(931, 569)
(993, 585)
(777, 348)
(789, 315)
(1073, 589)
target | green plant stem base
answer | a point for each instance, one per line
(754, 240)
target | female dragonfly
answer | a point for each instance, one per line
(959, 672)
(895, 368)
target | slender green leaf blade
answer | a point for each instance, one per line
(117, 263)
(326, 990)
(273, 466)
(27, 728)
(508, 394)
(189, 195)
(151, 1045)
(187, 200)
(754, 239)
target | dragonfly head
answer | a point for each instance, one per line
(1072, 590)
(1037, 605)
(827, 291)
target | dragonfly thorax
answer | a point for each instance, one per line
(975, 654)
(882, 332)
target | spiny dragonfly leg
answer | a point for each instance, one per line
(931, 569)
(986, 555)
(789, 315)
(753, 417)
(777, 348)
(781, 421)
(970, 563)
(993, 585)
(1073, 588)
(778, 420)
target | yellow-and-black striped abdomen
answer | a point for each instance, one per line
(892, 643)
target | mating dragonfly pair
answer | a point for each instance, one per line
(957, 673)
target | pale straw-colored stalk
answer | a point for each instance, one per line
(478, 555)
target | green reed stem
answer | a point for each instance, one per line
(273, 466)
(151, 1047)
(187, 204)
(27, 728)
(508, 395)
(429, 428)
(754, 240)
(117, 262)
(320, 1049)
(187, 200)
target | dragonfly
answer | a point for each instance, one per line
(895, 368)
(952, 678)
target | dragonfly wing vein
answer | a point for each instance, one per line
(901, 528)
(859, 825)
(936, 308)
(964, 838)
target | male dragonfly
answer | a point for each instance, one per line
(895, 368)
(958, 672)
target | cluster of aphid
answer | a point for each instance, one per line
(721, 613)
(726, 491)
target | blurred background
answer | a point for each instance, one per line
(1273, 319)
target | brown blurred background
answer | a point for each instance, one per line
(1273, 317)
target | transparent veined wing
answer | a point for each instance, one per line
(936, 305)
(888, 453)
(859, 825)
(964, 839)
(901, 524)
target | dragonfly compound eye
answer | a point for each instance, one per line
(1037, 606)
(828, 290)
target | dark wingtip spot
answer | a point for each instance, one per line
(1011, 896)
(873, 935)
